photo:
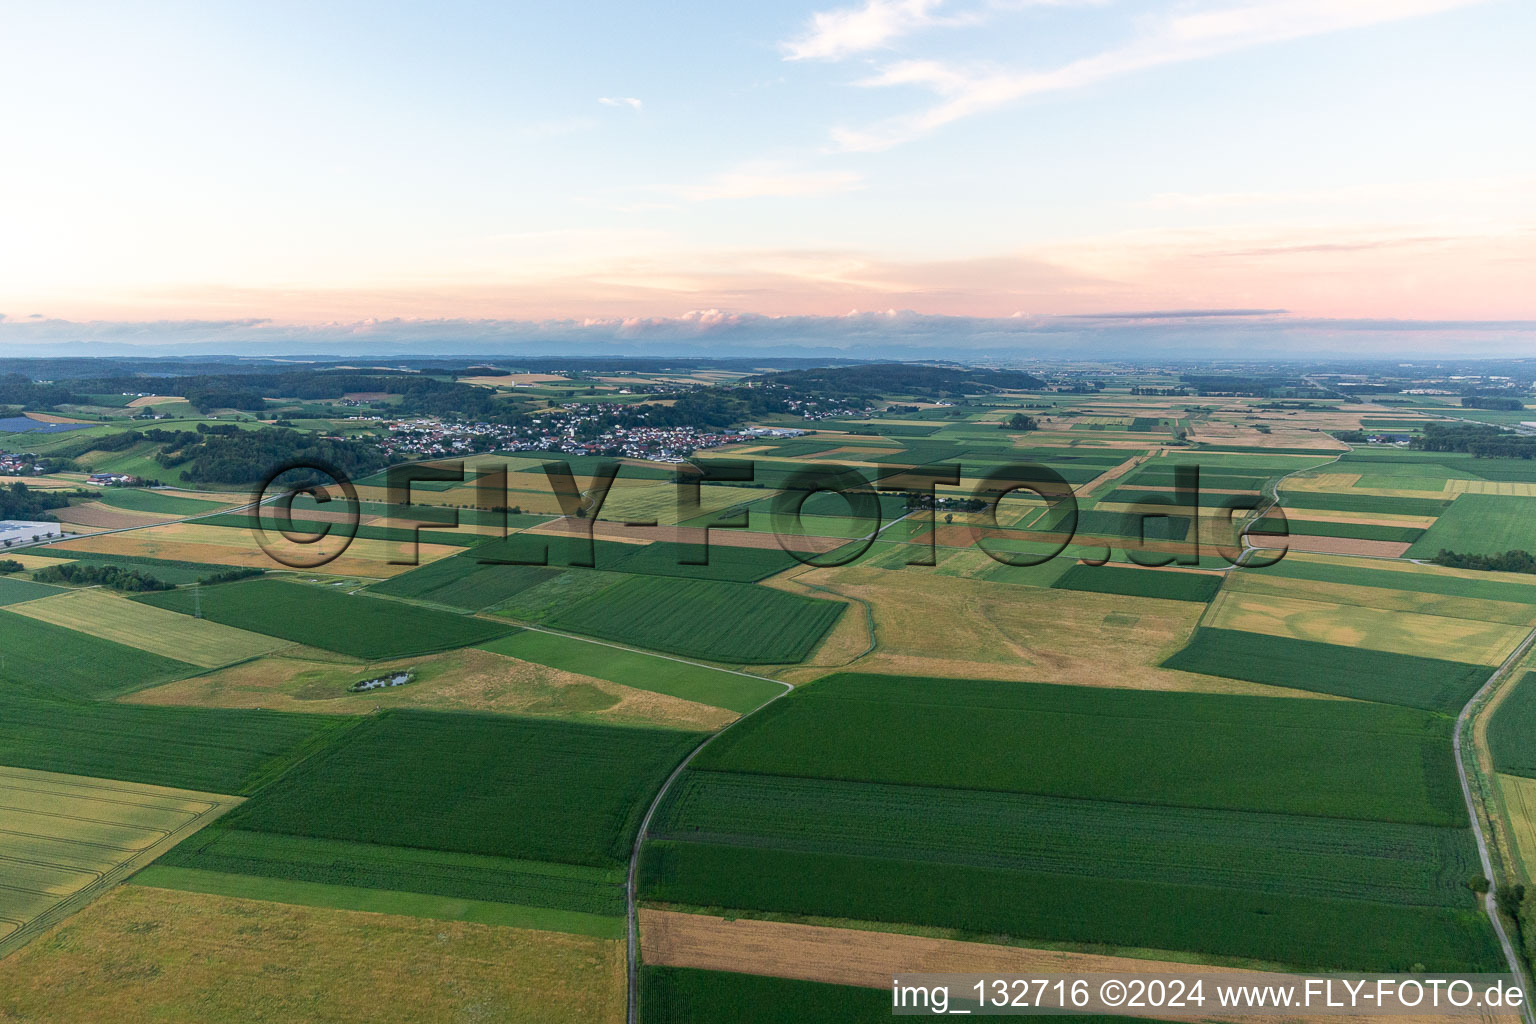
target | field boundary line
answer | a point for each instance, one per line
(631, 885)
(80, 898)
(1466, 771)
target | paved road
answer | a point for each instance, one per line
(1465, 766)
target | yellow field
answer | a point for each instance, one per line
(1477, 643)
(65, 839)
(31, 562)
(1514, 613)
(307, 680)
(1508, 487)
(169, 634)
(928, 623)
(1520, 802)
(154, 956)
(1520, 579)
(226, 545)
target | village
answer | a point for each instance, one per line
(571, 431)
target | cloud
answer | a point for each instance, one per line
(1171, 39)
(833, 35)
(891, 333)
(620, 101)
(761, 181)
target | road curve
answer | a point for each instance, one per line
(1464, 770)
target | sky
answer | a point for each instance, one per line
(1337, 172)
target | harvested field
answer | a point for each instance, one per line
(1399, 632)
(96, 516)
(634, 669)
(847, 956)
(969, 628)
(1519, 795)
(133, 624)
(1341, 546)
(463, 680)
(215, 957)
(218, 545)
(1392, 592)
(65, 839)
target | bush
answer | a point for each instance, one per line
(116, 577)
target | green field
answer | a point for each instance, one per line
(463, 581)
(1367, 503)
(212, 751)
(1491, 589)
(1170, 585)
(994, 903)
(1512, 730)
(727, 622)
(684, 995)
(1481, 524)
(643, 671)
(485, 784)
(138, 499)
(1432, 684)
(1294, 832)
(353, 624)
(1246, 851)
(1352, 531)
(14, 590)
(379, 901)
(55, 661)
(1291, 756)
(98, 613)
(398, 878)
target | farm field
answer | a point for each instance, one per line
(51, 660)
(681, 995)
(14, 590)
(310, 681)
(482, 784)
(65, 839)
(352, 624)
(777, 816)
(396, 879)
(1235, 752)
(214, 957)
(200, 642)
(1511, 728)
(1519, 798)
(138, 499)
(636, 669)
(1433, 684)
(725, 622)
(207, 750)
(927, 622)
(1361, 628)
(1166, 585)
(1481, 524)
(220, 545)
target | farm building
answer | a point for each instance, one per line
(16, 531)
